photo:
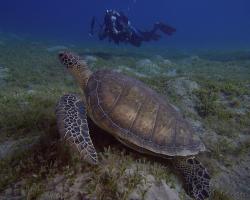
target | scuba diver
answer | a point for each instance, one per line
(117, 28)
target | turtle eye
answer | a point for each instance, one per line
(61, 54)
(70, 63)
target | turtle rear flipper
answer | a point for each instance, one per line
(196, 177)
(73, 126)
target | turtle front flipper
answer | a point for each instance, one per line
(73, 126)
(195, 176)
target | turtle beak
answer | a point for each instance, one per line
(61, 57)
(64, 58)
(61, 54)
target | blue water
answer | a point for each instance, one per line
(199, 23)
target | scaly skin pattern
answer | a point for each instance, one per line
(195, 175)
(73, 126)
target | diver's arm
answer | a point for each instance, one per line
(102, 33)
(95, 26)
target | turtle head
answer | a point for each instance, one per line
(70, 60)
(77, 67)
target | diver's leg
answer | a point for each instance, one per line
(164, 28)
(135, 40)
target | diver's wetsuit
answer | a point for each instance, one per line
(117, 28)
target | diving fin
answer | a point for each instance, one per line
(92, 25)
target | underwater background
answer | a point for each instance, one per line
(203, 69)
(199, 24)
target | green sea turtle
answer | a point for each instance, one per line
(135, 115)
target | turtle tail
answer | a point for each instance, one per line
(196, 177)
